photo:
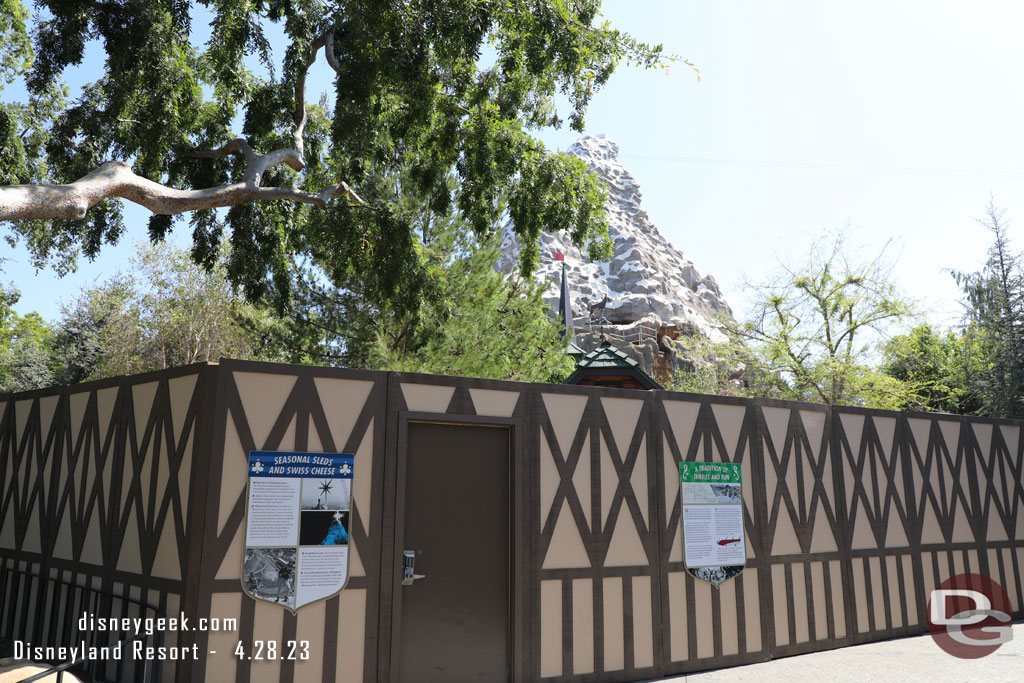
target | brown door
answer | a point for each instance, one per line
(455, 620)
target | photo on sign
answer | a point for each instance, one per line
(269, 574)
(323, 527)
(716, 575)
(326, 494)
(698, 492)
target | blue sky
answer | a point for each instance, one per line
(898, 118)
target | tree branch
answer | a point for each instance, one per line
(116, 179)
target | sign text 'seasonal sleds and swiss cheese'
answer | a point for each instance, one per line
(297, 526)
(712, 525)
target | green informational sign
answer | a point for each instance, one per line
(709, 473)
(714, 548)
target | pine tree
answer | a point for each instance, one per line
(994, 299)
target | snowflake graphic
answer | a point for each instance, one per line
(257, 467)
(346, 469)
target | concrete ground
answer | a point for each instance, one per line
(908, 659)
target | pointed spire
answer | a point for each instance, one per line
(564, 302)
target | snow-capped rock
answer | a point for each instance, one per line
(646, 280)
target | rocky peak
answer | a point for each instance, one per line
(648, 283)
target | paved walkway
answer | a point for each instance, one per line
(908, 659)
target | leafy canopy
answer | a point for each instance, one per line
(814, 327)
(471, 321)
(434, 87)
(994, 317)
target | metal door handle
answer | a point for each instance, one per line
(409, 574)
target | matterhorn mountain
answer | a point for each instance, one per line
(647, 287)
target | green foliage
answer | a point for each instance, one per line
(15, 45)
(469, 320)
(937, 367)
(411, 92)
(813, 327)
(24, 346)
(722, 368)
(167, 312)
(994, 302)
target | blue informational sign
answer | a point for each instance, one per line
(300, 465)
(298, 524)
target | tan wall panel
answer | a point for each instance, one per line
(671, 481)
(427, 398)
(548, 479)
(800, 608)
(77, 403)
(818, 595)
(263, 397)
(288, 440)
(185, 471)
(730, 424)
(927, 575)
(784, 541)
(362, 477)
(1008, 582)
(355, 563)
(167, 562)
(860, 596)
(310, 625)
(494, 403)
(231, 565)
(780, 600)
(581, 481)
(180, 390)
(622, 414)
(625, 549)
(682, 416)
(129, 558)
(221, 666)
(565, 412)
(638, 480)
(582, 626)
(777, 420)
(705, 619)
(878, 592)
(351, 635)
(566, 550)
(268, 624)
(838, 608)
(643, 624)
(1020, 563)
(233, 478)
(551, 628)
(678, 645)
(908, 586)
(729, 624)
(752, 611)
(961, 528)
(614, 624)
(610, 479)
(343, 401)
(313, 441)
(895, 605)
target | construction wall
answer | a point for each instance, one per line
(98, 489)
(851, 516)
